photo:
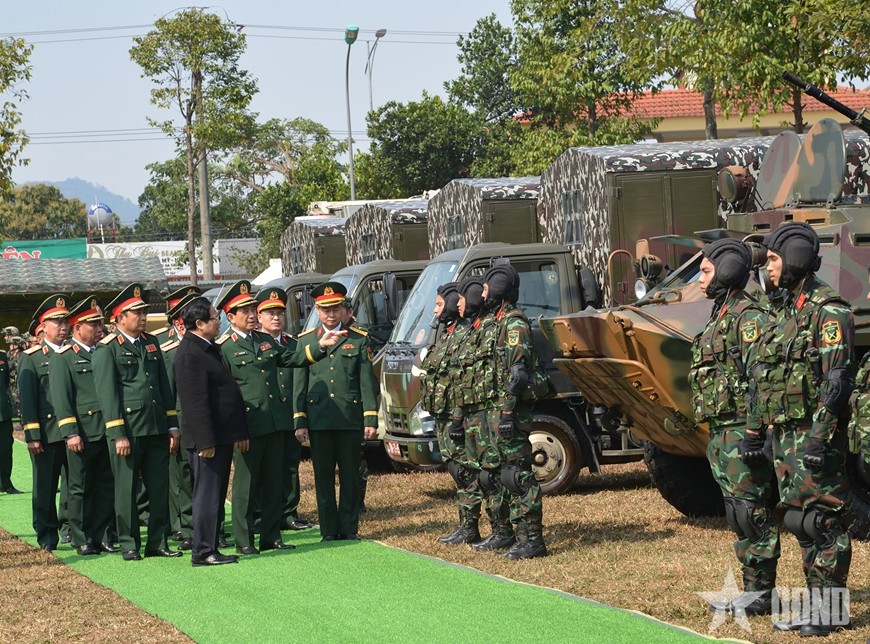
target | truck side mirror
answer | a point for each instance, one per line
(391, 296)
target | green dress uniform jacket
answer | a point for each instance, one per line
(72, 389)
(5, 380)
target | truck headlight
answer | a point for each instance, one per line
(421, 422)
(640, 288)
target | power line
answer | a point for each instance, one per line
(336, 30)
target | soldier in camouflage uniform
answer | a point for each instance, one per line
(718, 379)
(804, 372)
(470, 423)
(517, 381)
(437, 395)
(859, 421)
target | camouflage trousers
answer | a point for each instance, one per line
(468, 497)
(523, 504)
(826, 491)
(757, 554)
(483, 454)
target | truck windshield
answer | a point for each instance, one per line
(349, 282)
(416, 316)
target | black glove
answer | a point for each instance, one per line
(814, 456)
(752, 448)
(456, 430)
(506, 425)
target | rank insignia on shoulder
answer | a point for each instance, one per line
(221, 340)
(749, 331)
(831, 332)
(108, 339)
(67, 347)
(359, 330)
(308, 331)
(169, 345)
(513, 338)
(32, 350)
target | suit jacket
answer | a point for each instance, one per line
(74, 394)
(254, 362)
(340, 391)
(214, 410)
(37, 412)
(5, 377)
(132, 387)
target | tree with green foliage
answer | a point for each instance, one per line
(14, 69)
(40, 211)
(193, 59)
(421, 145)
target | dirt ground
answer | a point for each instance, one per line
(612, 539)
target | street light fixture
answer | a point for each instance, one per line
(370, 62)
(350, 34)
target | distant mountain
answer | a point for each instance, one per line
(88, 192)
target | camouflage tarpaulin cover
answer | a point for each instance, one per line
(369, 231)
(297, 241)
(465, 197)
(38, 276)
(857, 164)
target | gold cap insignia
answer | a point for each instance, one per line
(273, 295)
(243, 288)
(137, 292)
(328, 291)
(94, 303)
(60, 303)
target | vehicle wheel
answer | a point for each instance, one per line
(858, 518)
(556, 456)
(685, 482)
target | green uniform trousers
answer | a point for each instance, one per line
(47, 468)
(258, 478)
(292, 456)
(468, 497)
(91, 493)
(149, 457)
(331, 448)
(482, 453)
(523, 503)
(6, 441)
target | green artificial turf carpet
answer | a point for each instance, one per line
(344, 591)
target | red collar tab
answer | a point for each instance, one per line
(801, 301)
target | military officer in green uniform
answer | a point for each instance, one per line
(804, 371)
(719, 384)
(272, 315)
(74, 396)
(6, 414)
(253, 359)
(41, 431)
(141, 421)
(180, 474)
(336, 405)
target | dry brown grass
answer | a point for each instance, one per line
(613, 539)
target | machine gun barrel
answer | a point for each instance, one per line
(856, 118)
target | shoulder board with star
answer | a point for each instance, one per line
(162, 330)
(308, 331)
(33, 350)
(222, 339)
(64, 348)
(169, 345)
(109, 339)
(362, 332)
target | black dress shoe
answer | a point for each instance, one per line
(186, 544)
(162, 552)
(105, 546)
(67, 538)
(176, 536)
(278, 545)
(88, 549)
(214, 559)
(350, 537)
(330, 537)
(296, 524)
(223, 542)
(47, 546)
(12, 490)
(247, 550)
(131, 555)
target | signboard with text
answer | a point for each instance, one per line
(75, 248)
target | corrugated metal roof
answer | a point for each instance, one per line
(77, 275)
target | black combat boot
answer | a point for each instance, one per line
(530, 543)
(502, 537)
(748, 602)
(829, 612)
(448, 538)
(468, 531)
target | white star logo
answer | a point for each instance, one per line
(728, 593)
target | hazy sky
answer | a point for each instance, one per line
(87, 107)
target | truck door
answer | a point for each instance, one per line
(511, 222)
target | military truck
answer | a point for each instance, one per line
(313, 244)
(388, 230)
(299, 300)
(634, 360)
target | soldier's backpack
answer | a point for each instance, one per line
(539, 383)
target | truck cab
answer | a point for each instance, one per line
(567, 433)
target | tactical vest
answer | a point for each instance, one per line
(477, 377)
(859, 403)
(437, 386)
(718, 374)
(788, 372)
(539, 385)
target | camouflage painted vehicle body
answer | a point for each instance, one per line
(635, 359)
(388, 230)
(587, 189)
(473, 211)
(313, 244)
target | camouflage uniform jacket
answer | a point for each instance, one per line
(811, 334)
(859, 423)
(437, 386)
(513, 345)
(474, 366)
(720, 356)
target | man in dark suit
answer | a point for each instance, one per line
(213, 422)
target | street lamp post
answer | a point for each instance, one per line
(350, 34)
(370, 62)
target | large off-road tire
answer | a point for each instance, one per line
(556, 455)
(858, 519)
(685, 482)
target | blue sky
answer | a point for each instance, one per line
(88, 104)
